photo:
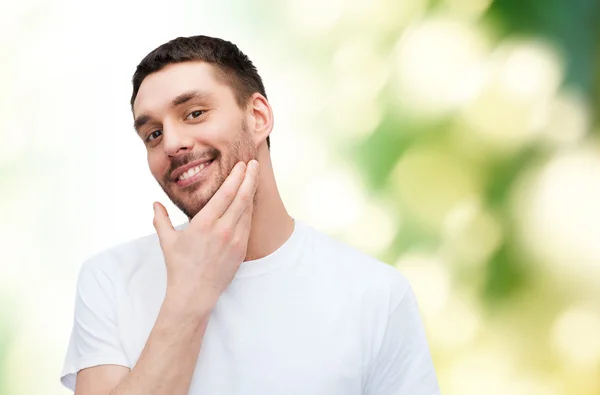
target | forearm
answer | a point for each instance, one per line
(168, 360)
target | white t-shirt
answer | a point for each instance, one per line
(314, 317)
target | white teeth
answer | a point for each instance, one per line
(191, 172)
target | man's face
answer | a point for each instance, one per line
(194, 132)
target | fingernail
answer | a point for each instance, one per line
(254, 164)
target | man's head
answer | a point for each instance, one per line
(198, 100)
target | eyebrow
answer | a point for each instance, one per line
(177, 101)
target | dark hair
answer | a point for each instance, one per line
(231, 64)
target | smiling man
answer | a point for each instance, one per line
(242, 298)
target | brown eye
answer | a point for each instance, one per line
(153, 135)
(195, 114)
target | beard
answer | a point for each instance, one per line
(191, 199)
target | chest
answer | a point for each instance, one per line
(260, 340)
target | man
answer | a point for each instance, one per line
(242, 298)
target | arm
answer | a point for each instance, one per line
(403, 364)
(201, 261)
(166, 364)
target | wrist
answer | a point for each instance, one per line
(188, 306)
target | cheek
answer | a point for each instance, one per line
(157, 166)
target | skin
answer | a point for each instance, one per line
(236, 214)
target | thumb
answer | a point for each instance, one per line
(162, 224)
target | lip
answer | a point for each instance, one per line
(196, 178)
(200, 176)
(180, 170)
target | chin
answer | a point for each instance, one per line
(192, 198)
(189, 210)
(192, 202)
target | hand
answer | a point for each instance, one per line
(202, 259)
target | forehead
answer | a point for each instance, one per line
(158, 89)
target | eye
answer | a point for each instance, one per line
(153, 135)
(195, 114)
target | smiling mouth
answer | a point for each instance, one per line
(194, 174)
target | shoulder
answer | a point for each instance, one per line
(357, 270)
(125, 258)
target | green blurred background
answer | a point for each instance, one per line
(457, 140)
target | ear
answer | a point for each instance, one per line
(261, 115)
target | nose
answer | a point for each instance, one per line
(176, 141)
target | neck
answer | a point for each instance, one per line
(272, 226)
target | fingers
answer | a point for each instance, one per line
(162, 224)
(243, 226)
(244, 197)
(242, 230)
(217, 205)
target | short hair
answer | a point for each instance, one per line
(232, 65)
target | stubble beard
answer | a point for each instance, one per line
(193, 199)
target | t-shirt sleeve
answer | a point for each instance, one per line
(403, 365)
(95, 336)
